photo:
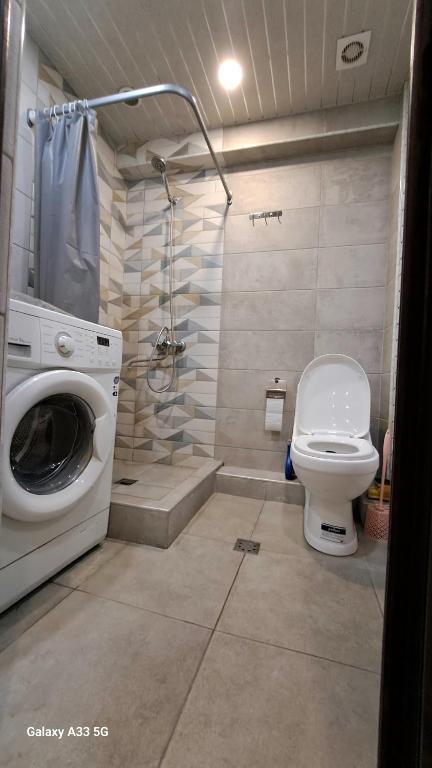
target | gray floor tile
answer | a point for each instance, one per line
(94, 662)
(374, 552)
(226, 518)
(379, 581)
(28, 611)
(323, 607)
(280, 528)
(256, 706)
(81, 569)
(190, 580)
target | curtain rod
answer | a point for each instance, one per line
(142, 93)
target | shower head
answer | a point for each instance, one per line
(158, 163)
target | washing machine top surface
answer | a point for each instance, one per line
(333, 396)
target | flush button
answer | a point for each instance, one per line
(64, 344)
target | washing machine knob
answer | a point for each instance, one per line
(65, 344)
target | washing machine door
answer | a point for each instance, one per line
(58, 438)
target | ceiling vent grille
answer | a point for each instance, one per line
(129, 102)
(352, 51)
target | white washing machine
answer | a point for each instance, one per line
(59, 427)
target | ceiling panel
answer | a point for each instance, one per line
(287, 49)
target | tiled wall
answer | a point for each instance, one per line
(391, 270)
(168, 426)
(42, 86)
(13, 10)
(394, 271)
(252, 302)
(310, 284)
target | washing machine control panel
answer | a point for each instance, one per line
(79, 348)
(65, 344)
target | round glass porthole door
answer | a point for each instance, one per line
(52, 444)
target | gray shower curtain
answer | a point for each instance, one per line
(67, 217)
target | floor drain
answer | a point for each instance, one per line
(126, 481)
(247, 545)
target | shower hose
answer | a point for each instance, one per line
(166, 332)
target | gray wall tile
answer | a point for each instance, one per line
(241, 428)
(266, 350)
(387, 349)
(297, 229)
(5, 214)
(27, 100)
(389, 303)
(19, 266)
(375, 390)
(356, 224)
(24, 166)
(355, 180)
(385, 396)
(350, 308)
(352, 266)
(270, 270)
(268, 310)
(363, 346)
(247, 388)
(274, 461)
(30, 63)
(290, 186)
(21, 220)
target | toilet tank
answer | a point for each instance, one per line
(333, 396)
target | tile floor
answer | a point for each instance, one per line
(199, 656)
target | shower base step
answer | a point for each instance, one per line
(158, 500)
(259, 484)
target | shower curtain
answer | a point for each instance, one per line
(67, 217)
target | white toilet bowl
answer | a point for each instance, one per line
(331, 449)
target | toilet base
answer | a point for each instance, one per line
(329, 525)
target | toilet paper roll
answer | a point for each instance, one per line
(274, 414)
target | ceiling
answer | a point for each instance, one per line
(287, 49)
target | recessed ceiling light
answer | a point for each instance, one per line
(230, 74)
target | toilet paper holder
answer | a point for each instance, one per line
(277, 390)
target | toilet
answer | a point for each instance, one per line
(331, 450)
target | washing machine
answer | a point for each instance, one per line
(62, 383)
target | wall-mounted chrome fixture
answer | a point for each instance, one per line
(142, 93)
(265, 215)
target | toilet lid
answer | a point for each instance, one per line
(333, 396)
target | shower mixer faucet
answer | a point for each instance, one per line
(167, 344)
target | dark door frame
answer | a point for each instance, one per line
(4, 29)
(406, 691)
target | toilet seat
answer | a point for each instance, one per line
(334, 447)
(333, 396)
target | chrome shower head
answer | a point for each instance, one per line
(158, 163)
